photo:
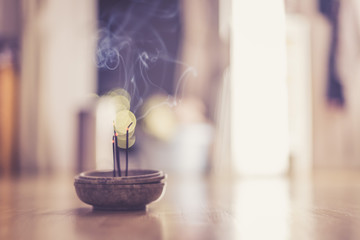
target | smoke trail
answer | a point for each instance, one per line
(131, 50)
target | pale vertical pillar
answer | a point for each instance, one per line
(258, 87)
(61, 66)
(300, 95)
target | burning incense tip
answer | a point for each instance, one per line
(123, 119)
(112, 141)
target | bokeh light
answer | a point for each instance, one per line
(159, 118)
(123, 119)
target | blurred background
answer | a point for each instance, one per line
(230, 87)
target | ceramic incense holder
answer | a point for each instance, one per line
(133, 192)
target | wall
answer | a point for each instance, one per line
(58, 72)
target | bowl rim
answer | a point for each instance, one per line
(148, 176)
(122, 186)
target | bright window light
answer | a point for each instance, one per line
(259, 111)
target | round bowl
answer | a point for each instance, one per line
(105, 192)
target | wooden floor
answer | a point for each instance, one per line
(326, 206)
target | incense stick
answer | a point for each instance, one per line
(117, 156)
(117, 152)
(127, 147)
(113, 145)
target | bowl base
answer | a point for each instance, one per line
(104, 208)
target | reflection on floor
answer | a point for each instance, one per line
(325, 206)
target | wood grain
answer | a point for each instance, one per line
(325, 206)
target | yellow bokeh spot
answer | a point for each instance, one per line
(121, 103)
(122, 142)
(160, 120)
(120, 92)
(123, 120)
(124, 117)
